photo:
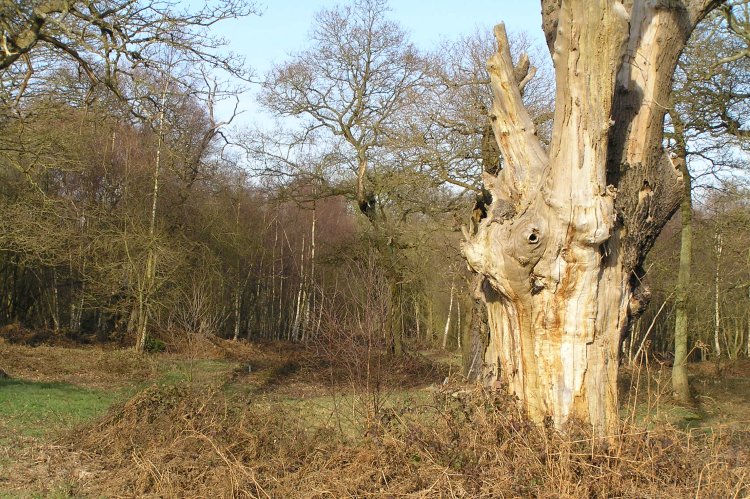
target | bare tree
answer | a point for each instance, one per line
(564, 237)
(351, 85)
(452, 131)
(349, 89)
(113, 43)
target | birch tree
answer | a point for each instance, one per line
(561, 246)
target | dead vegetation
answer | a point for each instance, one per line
(209, 347)
(17, 334)
(82, 366)
(179, 442)
(274, 430)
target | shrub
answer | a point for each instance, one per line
(154, 345)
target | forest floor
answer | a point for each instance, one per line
(223, 419)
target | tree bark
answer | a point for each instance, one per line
(478, 335)
(417, 319)
(562, 244)
(238, 265)
(396, 320)
(459, 334)
(680, 383)
(429, 334)
(309, 312)
(679, 369)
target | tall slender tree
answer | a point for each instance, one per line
(706, 132)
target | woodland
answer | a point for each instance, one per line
(487, 269)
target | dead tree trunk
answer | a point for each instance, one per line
(478, 336)
(567, 229)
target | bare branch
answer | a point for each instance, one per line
(513, 127)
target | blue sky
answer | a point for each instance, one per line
(284, 25)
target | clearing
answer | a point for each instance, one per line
(223, 419)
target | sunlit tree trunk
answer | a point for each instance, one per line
(458, 325)
(294, 334)
(145, 294)
(563, 240)
(280, 313)
(717, 306)
(309, 308)
(417, 318)
(55, 303)
(274, 320)
(450, 314)
(429, 331)
(396, 318)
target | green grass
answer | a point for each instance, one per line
(38, 409)
(59, 490)
(348, 413)
(195, 371)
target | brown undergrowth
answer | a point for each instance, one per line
(188, 442)
(91, 366)
(17, 334)
(209, 347)
(253, 432)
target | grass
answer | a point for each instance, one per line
(194, 371)
(37, 409)
(53, 392)
(350, 415)
(57, 491)
(39, 404)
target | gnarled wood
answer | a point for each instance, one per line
(566, 232)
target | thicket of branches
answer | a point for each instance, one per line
(126, 207)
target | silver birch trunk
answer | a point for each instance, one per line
(561, 247)
(416, 318)
(717, 306)
(281, 311)
(458, 324)
(450, 313)
(77, 314)
(273, 322)
(144, 299)
(237, 292)
(309, 296)
(295, 333)
(55, 303)
(238, 283)
(429, 334)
